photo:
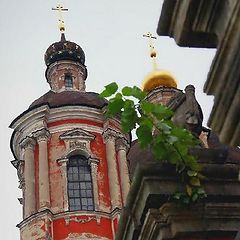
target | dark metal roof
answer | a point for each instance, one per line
(69, 98)
(64, 50)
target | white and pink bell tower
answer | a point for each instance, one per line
(71, 160)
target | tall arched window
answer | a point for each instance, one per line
(80, 189)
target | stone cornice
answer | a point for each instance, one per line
(170, 221)
(77, 133)
(76, 112)
(29, 118)
(67, 215)
(33, 120)
(152, 185)
(190, 23)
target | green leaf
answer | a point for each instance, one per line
(127, 91)
(173, 157)
(195, 197)
(118, 96)
(144, 134)
(201, 176)
(146, 121)
(194, 181)
(191, 173)
(181, 133)
(201, 191)
(161, 112)
(172, 139)
(138, 93)
(110, 89)
(146, 106)
(159, 150)
(129, 117)
(181, 148)
(186, 200)
(188, 190)
(177, 195)
(164, 127)
(180, 168)
(115, 106)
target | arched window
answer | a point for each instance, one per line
(68, 81)
(80, 189)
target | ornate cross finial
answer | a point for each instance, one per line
(60, 9)
(153, 53)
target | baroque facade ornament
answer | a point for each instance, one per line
(110, 135)
(122, 144)
(75, 144)
(77, 139)
(82, 220)
(77, 133)
(28, 142)
(41, 135)
(20, 174)
(19, 165)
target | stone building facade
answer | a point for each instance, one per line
(211, 24)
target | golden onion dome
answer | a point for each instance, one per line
(158, 78)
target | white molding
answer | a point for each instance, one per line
(38, 118)
(69, 126)
(29, 118)
(76, 112)
(77, 133)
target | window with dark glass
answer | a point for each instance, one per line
(68, 81)
(80, 190)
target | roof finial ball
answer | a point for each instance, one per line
(157, 77)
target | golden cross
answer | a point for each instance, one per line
(153, 53)
(60, 9)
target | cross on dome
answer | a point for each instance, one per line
(153, 53)
(60, 9)
(157, 77)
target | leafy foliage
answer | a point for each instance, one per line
(156, 131)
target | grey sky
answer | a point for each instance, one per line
(110, 32)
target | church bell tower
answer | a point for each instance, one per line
(70, 160)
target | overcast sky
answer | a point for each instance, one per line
(110, 33)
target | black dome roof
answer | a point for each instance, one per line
(69, 98)
(64, 50)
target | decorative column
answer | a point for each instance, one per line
(28, 145)
(63, 167)
(122, 146)
(114, 187)
(94, 166)
(44, 195)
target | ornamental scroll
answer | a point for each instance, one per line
(77, 139)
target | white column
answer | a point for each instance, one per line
(63, 167)
(122, 146)
(28, 145)
(94, 166)
(44, 194)
(114, 187)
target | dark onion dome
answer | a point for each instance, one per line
(69, 98)
(64, 50)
